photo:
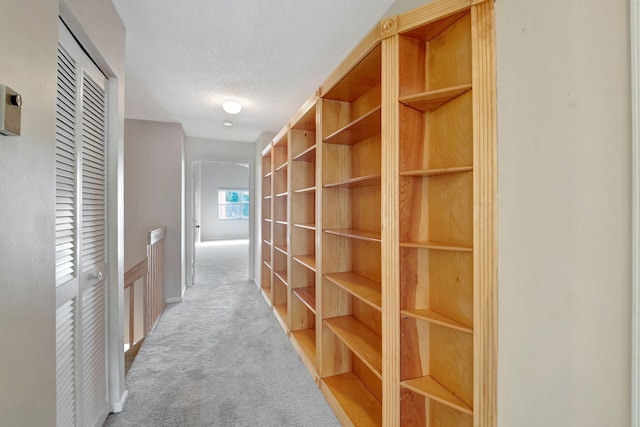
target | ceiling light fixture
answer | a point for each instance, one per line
(231, 107)
(227, 123)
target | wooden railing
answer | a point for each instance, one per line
(135, 282)
(144, 289)
(154, 295)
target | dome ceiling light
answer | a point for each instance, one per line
(231, 107)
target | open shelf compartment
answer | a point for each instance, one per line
(437, 364)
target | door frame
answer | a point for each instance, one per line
(189, 203)
(117, 394)
(635, 211)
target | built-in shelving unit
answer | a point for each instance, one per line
(351, 237)
(436, 222)
(378, 224)
(303, 155)
(280, 289)
(266, 224)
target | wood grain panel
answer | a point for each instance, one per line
(366, 157)
(450, 137)
(336, 164)
(451, 209)
(366, 208)
(368, 378)
(303, 208)
(451, 361)
(303, 175)
(413, 409)
(368, 101)
(354, 78)
(364, 260)
(335, 300)
(450, 284)
(485, 219)
(430, 12)
(442, 415)
(352, 402)
(301, 316)
(305, 117)
(413, 145)
(449, 61)
(412, 59)
(336, 356)
(368, 315)
(335, 115)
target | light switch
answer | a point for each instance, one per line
(10, 111)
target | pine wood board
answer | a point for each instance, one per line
(362, 341)
(360, 129)
(429, 101)
(353, 403)
(358, 286)
(353, 233)
(431, 316)
(308, 296)
(428, 387)
(308, 261)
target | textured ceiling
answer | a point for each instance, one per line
(185, 57)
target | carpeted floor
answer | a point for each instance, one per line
(220, 358)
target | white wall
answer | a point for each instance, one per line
(153, 194)
(214, 176)
(28, 37)
(27, 265)
(564, 213)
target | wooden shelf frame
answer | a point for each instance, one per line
(346, 161)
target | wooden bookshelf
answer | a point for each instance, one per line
(350, 272)
(378, 223)
(266, 224)
(303, 203)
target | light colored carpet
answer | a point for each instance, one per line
(220, 358)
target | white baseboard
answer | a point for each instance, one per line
(173, 300)
(117, 407)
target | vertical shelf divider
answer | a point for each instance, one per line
(390, 224)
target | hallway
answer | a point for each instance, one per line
(217, 358)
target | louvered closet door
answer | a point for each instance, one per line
(81, 316)
(92, 253)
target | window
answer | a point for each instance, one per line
(233, 204)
